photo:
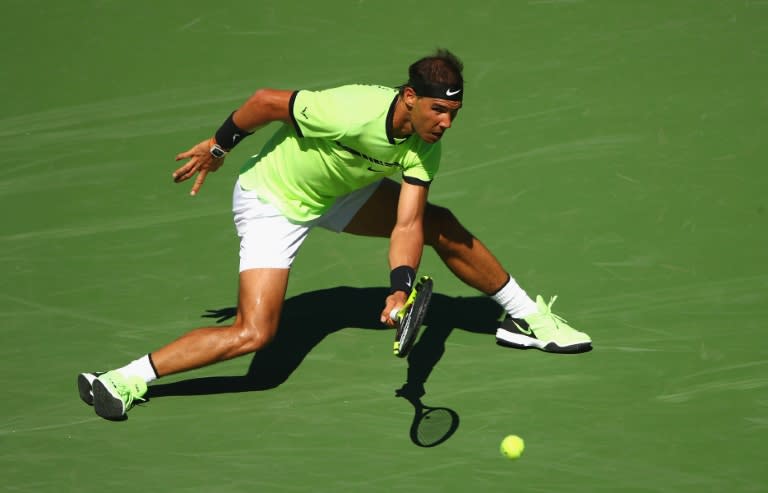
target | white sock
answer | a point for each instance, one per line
(141, 367)
(514, 300)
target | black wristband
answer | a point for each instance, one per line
(229, 135)
(401, 279)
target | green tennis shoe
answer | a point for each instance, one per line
(543, 330)
(114, 394)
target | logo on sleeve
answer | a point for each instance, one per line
(304, 113)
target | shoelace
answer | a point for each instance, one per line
(126, 392)
(556, 318)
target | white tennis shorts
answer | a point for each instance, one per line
(269, 240)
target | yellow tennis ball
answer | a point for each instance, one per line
(512, 446)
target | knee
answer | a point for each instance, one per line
(442, 228)
(251, 336)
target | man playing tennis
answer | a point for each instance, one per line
(328, 166)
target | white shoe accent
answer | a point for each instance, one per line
(518, 340)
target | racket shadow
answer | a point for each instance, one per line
(338, 308)
(431, 426)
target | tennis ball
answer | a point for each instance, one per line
(512, 446)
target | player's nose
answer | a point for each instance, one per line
(446, 121)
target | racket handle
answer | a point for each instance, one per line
(394, 315)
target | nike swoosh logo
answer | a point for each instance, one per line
(375, 170)
(524, 330)
(448, 92)
(409, 281)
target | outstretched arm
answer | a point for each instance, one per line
(265, 106)
(406, 241)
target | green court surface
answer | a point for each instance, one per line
(610, 152)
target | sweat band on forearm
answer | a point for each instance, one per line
(401, 279)
(229, 135)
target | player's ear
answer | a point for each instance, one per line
(409, 97)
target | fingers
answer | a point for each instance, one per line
(385, 318)
(197, 150)
(392, 305)
(185, 155)
(200, 162)
(185, 172)
(199, 181)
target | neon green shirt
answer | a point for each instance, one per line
(340, 141)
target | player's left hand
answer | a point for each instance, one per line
(394, 300)
(200, 162)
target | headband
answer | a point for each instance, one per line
(437, 90)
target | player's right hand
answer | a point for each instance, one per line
(200, 162)
(394, 301)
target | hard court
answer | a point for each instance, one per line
(612, 153)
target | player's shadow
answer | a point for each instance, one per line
(308, 318)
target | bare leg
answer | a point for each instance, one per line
(260, 301)
(464, 254)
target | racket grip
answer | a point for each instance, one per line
(393, 315)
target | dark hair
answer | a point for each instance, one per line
(443, 69)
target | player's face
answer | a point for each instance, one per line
(431, 117)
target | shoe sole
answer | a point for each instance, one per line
(105, 403)
(85, 387)
(519, 341)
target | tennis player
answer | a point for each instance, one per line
(329, 165)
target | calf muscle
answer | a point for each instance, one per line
(258, 314)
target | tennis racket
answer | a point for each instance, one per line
(410, 317)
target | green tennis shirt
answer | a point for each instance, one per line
(340, 141)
